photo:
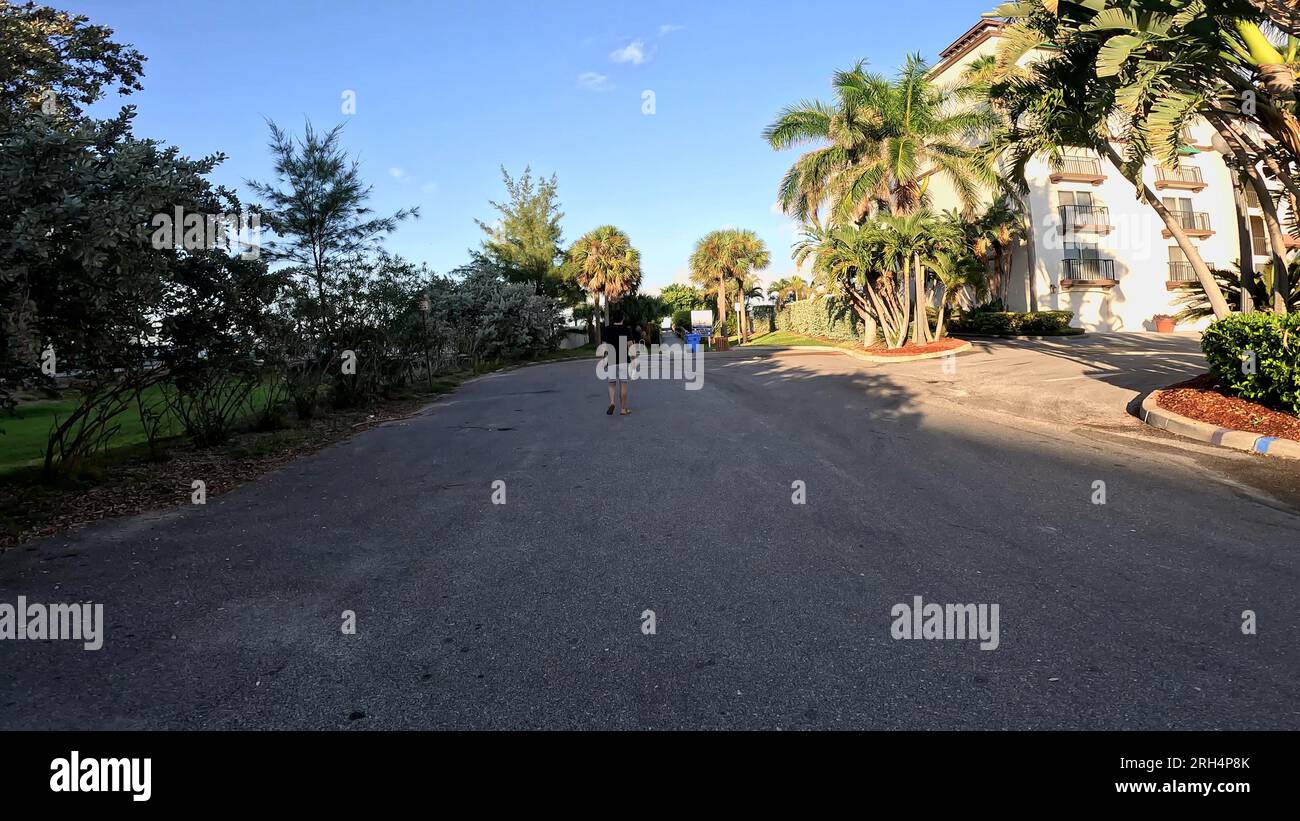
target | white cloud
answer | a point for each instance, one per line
(633, 52)
(592, 81)
(429, 187)
(397, 173)
(669, 28)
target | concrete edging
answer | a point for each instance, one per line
(1165, 419)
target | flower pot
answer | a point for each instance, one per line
(1164, 324)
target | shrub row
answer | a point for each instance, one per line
(819, 316)
(1257, 357)
(1013, 323)
(762, 319)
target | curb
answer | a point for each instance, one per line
(1165, 419)
(1038, 338)
(865, 357)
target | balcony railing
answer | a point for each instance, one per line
(1194, 223)
(1181, 271)
(1187, 177)
(1079, 169)
(1088, 269)
(1095, 217)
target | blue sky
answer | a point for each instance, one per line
(446, 92)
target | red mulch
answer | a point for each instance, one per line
(945, 344)
(1202, 400)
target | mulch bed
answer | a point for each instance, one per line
(945, 344)
(1201, 399)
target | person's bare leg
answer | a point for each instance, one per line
(622, 386)
(610, 409)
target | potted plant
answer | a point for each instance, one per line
(1164, 323)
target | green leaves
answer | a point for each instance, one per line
(885, 138)
(603, 261)
(1165, 122)
(1115, 52)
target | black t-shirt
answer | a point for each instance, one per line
(611, 335)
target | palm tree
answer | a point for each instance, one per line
(722, 256)
(789, 289)
(908, 240)
(884, 140)
(603, 263)
(958, 272)
(997, 232)
(1144, 70)
(776, 290)
(848, 265)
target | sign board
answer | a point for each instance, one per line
(699, 318)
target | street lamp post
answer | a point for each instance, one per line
(1245, 249)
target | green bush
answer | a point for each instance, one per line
(1272, 375)
(820, 317)
(763, 319)
(682, 319)
(1013, 323)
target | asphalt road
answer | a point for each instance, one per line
(768, 614)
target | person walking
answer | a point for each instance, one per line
(619, 337)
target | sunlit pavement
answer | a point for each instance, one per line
(767, 613)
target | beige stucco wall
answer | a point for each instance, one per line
(1135, 243)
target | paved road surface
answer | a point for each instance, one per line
(769, 614)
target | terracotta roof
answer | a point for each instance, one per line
(975, 35)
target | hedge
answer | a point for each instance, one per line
(1012, 323)
(822, 317)
(1257, 357)
(763, 319)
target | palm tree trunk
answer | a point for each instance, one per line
(921, 325)
(1276, 239)
(1000, 286)
(882, 311)
(722, 314)
(1212, 291)
(1276, 243)
(1010, 272)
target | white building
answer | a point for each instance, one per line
(1094, 249)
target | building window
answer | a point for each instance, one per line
(1081, 250)
(1258, 237)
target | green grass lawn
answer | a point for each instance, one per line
(22, 445)
(790, 339)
